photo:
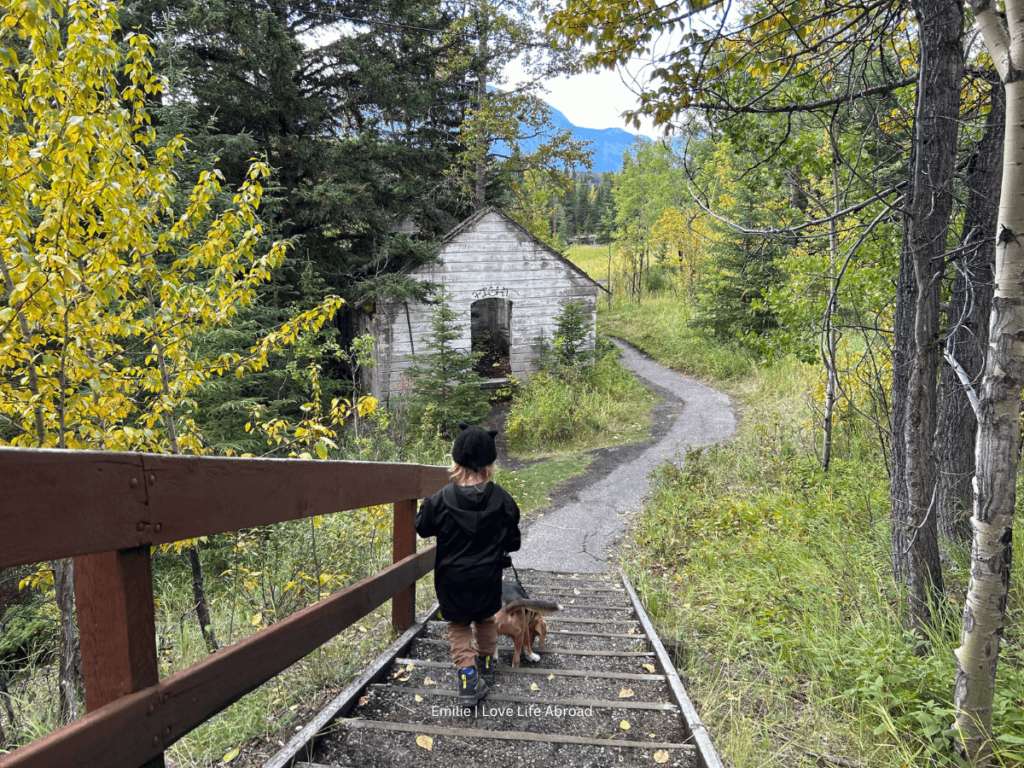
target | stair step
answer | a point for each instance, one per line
(537, 671)
(569, 637)
(545, 589)
(496, 696)
(550, 649)
(582, 620)
(367, 746)
(481, 733)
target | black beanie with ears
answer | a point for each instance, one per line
(474, 448)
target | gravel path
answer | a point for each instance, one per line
(583, 533)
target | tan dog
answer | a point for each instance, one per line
(522, 619)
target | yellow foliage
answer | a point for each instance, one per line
(105, 286)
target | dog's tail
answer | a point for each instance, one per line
(540, 606)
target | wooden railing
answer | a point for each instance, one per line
(107, 509)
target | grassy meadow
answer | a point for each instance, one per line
(772, 580)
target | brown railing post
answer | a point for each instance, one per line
(403, 605)
(117, 626)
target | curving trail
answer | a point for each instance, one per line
(584, 534)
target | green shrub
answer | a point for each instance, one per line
(580, 407)
(446, 387)
(28, 632)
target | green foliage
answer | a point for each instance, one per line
(530, 486)
(731, 293)
(566, 350)
(662, 326)
(445, 385)
(777, 578)
(581, 407)
(28, 632)
(649, 183)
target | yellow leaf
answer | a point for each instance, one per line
(534, 687)
(624, 725)
(410, 667)
(425, 741)
(551, 677)
(404, 679)
(428, 681)
(417, 697)
(626, 693)
(661, 756)
(650, 668)
(230, 755)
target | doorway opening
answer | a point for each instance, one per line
(491, 330)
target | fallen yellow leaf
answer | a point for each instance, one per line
(403, 679)
(551, 677)
(533, 687)
(428, 743)
(626, 693)
(624, 725)
(230, 755)
(410, 667)
(661, 756)
(428, 681)
(650, 667)
(631, 631)
(418, 697)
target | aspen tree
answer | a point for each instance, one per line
(998, 442)
(104, 289)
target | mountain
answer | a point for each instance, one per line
(608, 144)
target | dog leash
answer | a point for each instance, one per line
(518, 580)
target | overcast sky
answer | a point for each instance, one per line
(592, 100)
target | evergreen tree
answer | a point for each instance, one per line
(359, 129)
(446, 387)
(731, 294)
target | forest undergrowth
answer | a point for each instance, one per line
(772, 579)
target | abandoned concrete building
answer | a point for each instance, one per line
(508, 289)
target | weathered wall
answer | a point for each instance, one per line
(488, 256)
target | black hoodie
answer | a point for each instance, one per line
(475, 526)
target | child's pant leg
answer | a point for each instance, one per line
(463, 654)
(464, 650)
(486, 636)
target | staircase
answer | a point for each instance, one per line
(603, 694)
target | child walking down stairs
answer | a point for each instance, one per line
(604, 693)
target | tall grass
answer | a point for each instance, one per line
(660, 324)
(775, 580)
(579, 408)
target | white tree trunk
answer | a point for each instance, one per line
(999, 414)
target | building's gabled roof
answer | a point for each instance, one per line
(469, 223)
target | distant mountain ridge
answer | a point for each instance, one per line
(607, 144)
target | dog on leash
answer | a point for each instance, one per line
(522, 619)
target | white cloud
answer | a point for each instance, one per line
(591, 99)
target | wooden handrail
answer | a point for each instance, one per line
(138, 727)
(64, 503)
(106, 509)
